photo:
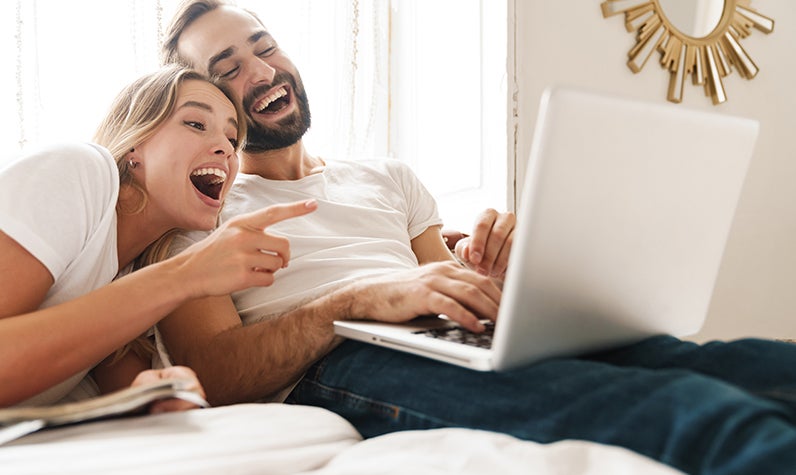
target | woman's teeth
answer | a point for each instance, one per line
(209, 181)
(220, 175)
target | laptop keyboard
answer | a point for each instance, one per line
(463, 335)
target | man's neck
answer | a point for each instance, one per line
(289, 163)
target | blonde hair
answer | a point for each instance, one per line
(135, 116)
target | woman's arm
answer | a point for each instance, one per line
(41, 348)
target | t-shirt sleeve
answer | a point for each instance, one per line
(421, 210)
(52, 200)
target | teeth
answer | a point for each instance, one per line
(220, 174)
(271, 98)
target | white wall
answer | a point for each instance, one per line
(569, 42)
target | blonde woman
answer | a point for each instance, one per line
(76, 219)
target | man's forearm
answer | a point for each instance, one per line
(239, 363)
(251, 362)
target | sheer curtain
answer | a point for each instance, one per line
(418, 80)
(69, 60)
(65, 61)
(341, 49)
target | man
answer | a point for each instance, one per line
(378, 218)
(718, 408)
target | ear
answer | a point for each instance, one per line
(131, 158)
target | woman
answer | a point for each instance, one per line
(75, 218)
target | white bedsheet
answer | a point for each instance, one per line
(285, 439)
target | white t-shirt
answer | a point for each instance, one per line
(368, 212)
(59, 203)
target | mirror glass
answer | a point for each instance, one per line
(695, 18)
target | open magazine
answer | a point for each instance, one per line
(16, 422)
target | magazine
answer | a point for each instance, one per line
(18, 421)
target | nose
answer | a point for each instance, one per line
(261, 71)
(222, 147)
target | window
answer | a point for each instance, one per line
(448, 88)
(422, 81)
(65, 62)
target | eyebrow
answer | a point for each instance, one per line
(204, 106)
(215, 59)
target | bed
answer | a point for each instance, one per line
(286, 439)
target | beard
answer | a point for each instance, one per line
(288, 130)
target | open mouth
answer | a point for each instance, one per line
(209, 181)
(274, 102)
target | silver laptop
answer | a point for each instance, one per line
(621, 228)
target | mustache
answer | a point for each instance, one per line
(251, 97)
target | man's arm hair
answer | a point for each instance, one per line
(238, 363)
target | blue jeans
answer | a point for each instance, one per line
(718, 408)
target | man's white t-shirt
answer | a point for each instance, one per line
(368, 213)
(59, 203)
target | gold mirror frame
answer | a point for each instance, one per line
(707, 59)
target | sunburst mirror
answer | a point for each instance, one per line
(700, 38)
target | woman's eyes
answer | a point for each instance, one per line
(194, 124)
(200, 126)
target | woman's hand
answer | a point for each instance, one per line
(240, 253)
(173, 372)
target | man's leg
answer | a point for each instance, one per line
(763, 367)
(682, 418)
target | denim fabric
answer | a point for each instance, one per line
(718, 408)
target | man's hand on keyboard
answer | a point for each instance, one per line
(465, 296)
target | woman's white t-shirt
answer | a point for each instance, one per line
(59, 203)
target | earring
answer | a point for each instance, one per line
(132, 163)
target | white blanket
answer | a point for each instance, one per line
(285, 439)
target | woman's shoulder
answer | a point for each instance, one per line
(81, 171)
(67, 155)
(77, 153)
(79, 159)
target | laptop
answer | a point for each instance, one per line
(621, 228)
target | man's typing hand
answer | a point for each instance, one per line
(443, 287)
(487, 250)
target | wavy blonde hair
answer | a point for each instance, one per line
(135, 116)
